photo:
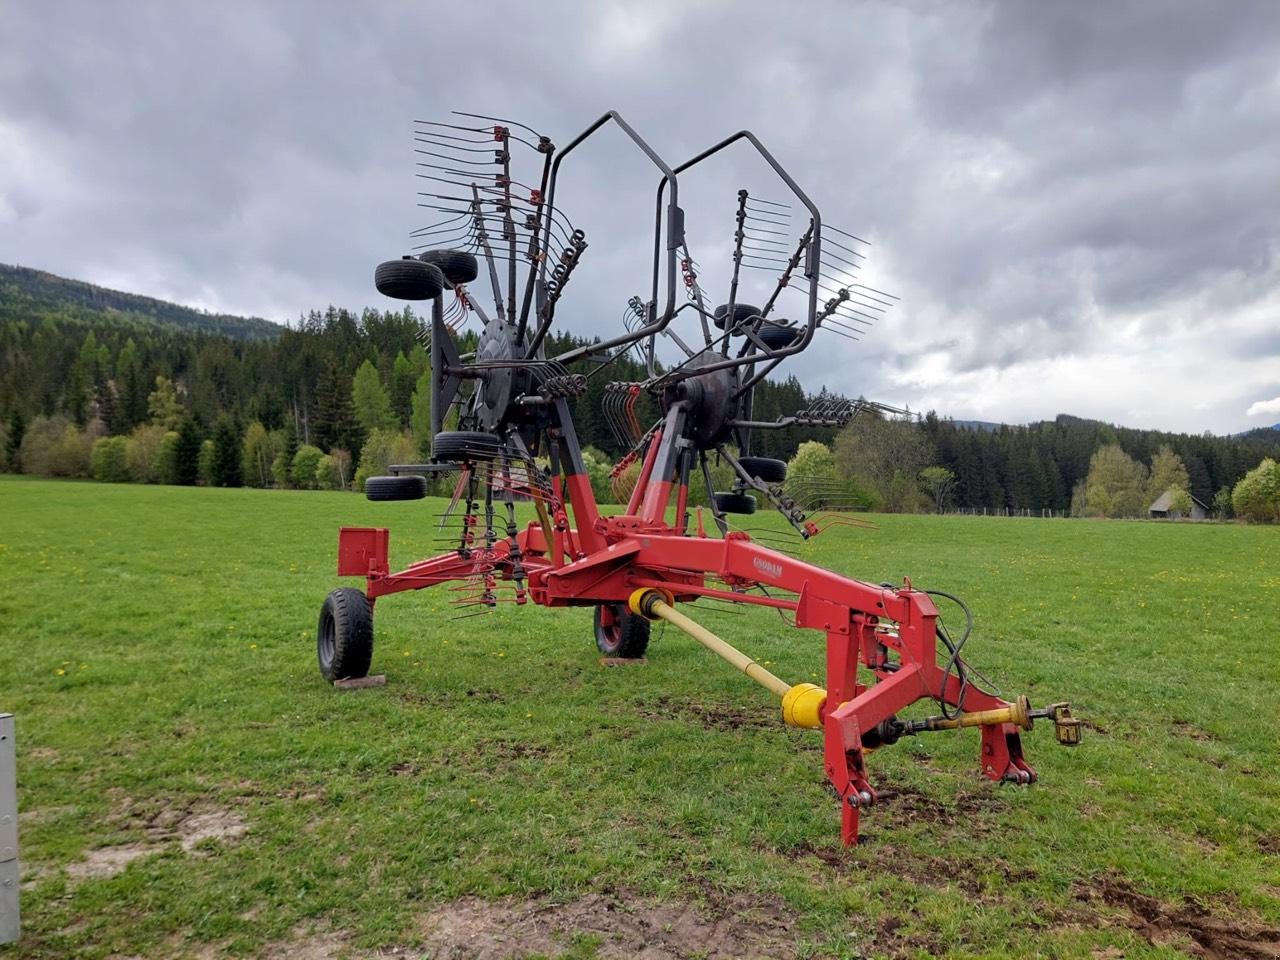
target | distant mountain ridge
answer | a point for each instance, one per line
(991, 426)
(29, 295)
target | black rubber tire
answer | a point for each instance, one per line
(741, 312)
(626, 637)
(778, 335)
(765, 468)
(410, 487)
(458, 266)
(735, 502)
(408, 279)
(344, 635)
(464, 446)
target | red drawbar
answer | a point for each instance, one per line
(362, 551)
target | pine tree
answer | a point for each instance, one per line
(13, 444)
(225, 467)
(131, 386)
(186, 454)
(334, 423)
(402, 384)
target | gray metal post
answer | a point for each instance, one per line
(10, 924)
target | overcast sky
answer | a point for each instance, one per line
(1078, 203)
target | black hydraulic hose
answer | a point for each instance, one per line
(954, 664)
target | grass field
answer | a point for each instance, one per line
(191, 787)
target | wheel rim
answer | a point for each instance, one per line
(326, 640)
(608, 628)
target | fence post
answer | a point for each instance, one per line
(10, 926)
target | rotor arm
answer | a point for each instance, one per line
(674, 232)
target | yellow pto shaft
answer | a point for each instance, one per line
(1018, 713)
(802, 703)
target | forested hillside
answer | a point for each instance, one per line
(79, 364)
(31, 295)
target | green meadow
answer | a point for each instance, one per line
(190, 787)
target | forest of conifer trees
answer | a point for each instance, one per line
(77, 367)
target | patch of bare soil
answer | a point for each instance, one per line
(109, 861)
(34, 873)
(472, 929)
(1187, 729)
(214, 825)
(969, 808)
(43, 814)
(162, 823)
(983, 880)
(712, 716)
(1189, 925)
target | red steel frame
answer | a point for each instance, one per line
(606, 559)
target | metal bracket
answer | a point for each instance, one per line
(10, 922)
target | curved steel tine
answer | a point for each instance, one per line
(451, 226)
(840, 261)
(851, 314)
(430, 141)
(456, 173)
(832, 327)
(494, 218)
(455, 126)
(439, 224)
(848, 250)
(768, 220)
(432, 133)
(444, 156)
(846, 233)
(458, 234)
(437, 243)
(507, 123)
(861, 302)
(780, 233)
(436, 135)
(863, 286)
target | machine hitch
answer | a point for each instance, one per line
(1066, 728)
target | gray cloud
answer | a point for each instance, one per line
(1056, 190)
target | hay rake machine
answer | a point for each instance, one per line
(502, 253)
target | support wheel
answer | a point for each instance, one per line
(734, 502)
(458, 266)
(464, 446)
(408, 279)
(742, 312)
(765, 468)
(621, 633)
(410, 487)
(344, 636)
(776, 336)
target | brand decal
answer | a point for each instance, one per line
(767, 566)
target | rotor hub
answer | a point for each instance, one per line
(494, 353)
(709, 399)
